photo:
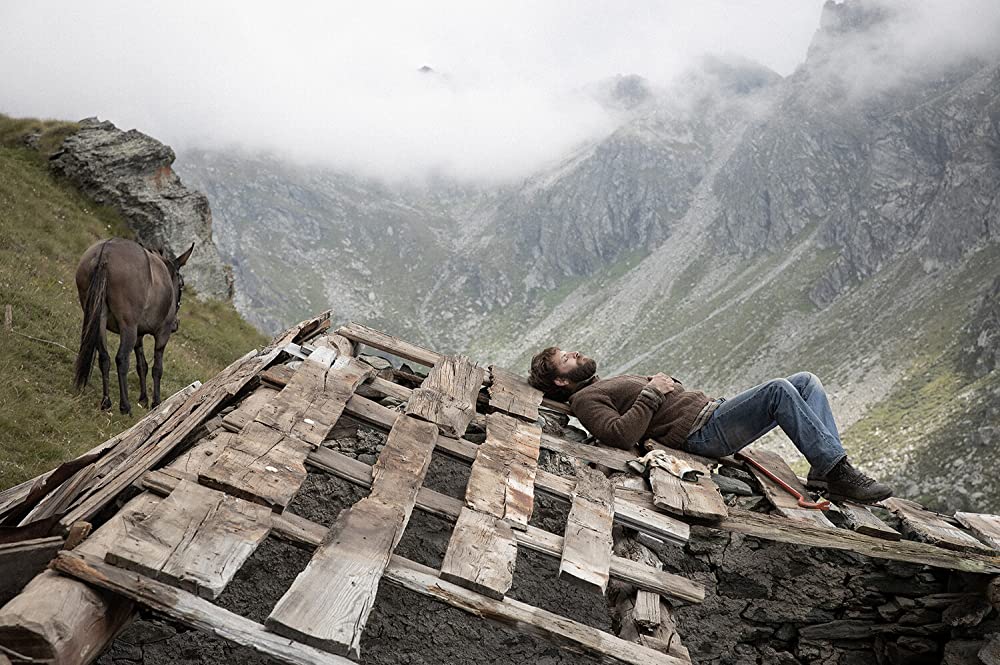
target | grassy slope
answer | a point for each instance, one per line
(45, 226)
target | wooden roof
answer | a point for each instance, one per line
(219, 463)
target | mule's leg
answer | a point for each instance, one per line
(104, 360)
(127, 335)
(160, 343)
(141, 367)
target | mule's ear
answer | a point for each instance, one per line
(183, 258)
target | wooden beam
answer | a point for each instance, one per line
(785, 530)
(523, 617)
(448, 395)
(190, 610)
(512, 394)
(502, 480)
(329, 602)
(613, 458)
(383, 342)
(558, 407)
(57, 501)
(197, 539)
(587, 546)
(481, 554)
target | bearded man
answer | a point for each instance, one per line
(625, 410)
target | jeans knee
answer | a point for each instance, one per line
(779, 390)
(780, 385)
(804, 380)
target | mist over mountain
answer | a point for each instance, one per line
(735, 225)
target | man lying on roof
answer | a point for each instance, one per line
(625, 410)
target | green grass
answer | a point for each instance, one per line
(45, 226)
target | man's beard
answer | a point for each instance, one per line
(583, 371)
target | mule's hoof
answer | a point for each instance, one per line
(154, 405)
(106, 404)
(125, 410)
(144, 402)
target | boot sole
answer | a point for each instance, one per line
(867, 502)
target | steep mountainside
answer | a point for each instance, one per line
(735, 227)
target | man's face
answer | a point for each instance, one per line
(573, 367)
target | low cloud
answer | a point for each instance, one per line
(339, 83)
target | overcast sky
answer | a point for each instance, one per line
(338, 82)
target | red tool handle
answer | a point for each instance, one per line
(822, 504)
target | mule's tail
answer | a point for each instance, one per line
(90, 333)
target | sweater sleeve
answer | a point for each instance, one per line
(621, 430)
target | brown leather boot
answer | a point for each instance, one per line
(844, 482)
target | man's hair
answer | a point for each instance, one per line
(544, 373)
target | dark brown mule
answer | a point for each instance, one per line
(129, 290)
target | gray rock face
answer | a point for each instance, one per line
(982, 352)
(131, 172)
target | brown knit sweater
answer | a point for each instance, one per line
(625, 410)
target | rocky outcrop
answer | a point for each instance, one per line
(888, 160)
(131, 172)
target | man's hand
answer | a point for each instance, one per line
(662, 382)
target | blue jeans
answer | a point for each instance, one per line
(797, 404)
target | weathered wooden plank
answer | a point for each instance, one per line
(502, 480)
(510, 393)
(448, 395)
(859, 518)
(60, 499)
(928, 527)
(986, 526)
(513, 613)
(481, 554)
(383, 342)
(647, 610)
(251, 405)
(587, 546)
(696, 499)
(196, 538)
(260, 464)
(21, 561)
(632, 515)
(191, 610)
(311, 403)
(329, 602)
(782, 501)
